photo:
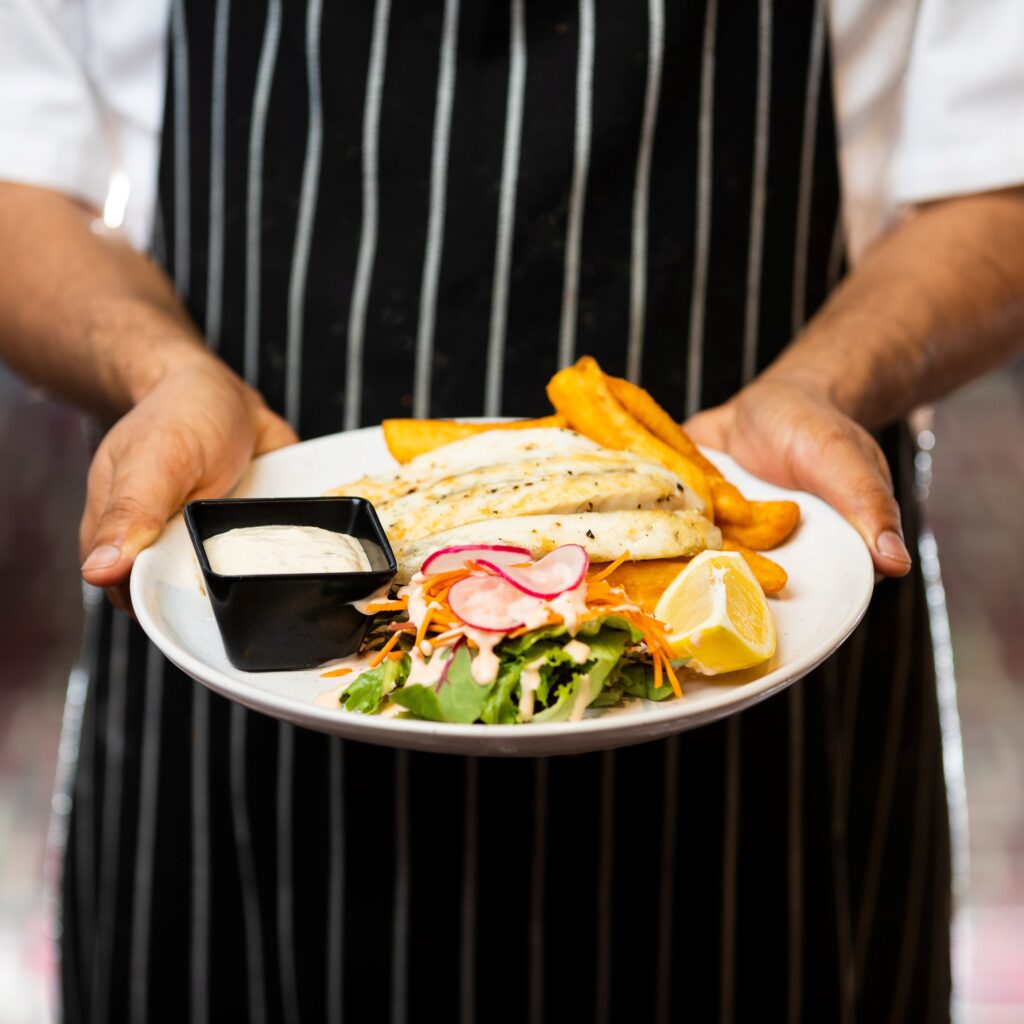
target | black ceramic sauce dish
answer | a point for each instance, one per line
(291, 621)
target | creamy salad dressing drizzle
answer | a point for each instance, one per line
(358, 663)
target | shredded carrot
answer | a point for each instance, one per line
(670, 672)
(610, 567)
(385, 606)
(439, 577)
(334, 673)
(384, 651)
(396, 656)
(422, 631)
(656, 655)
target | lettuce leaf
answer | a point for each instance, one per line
(638, 681)
(606, 649)
(368, 692)
(457, 698)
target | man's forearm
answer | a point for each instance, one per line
(72, 299)
(938, 301)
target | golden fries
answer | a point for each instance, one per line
(730, 505)
(582, 395)
(769, 574)
(620, 415)
(771, 523)
(645, 582)
(408, 438)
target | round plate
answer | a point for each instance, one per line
(830, 584)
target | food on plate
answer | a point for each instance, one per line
(646, 533)
(488, 634)
(717, 616)
(537, 489)
(771, 523)
(622, 416)
(769, 574)
(730, 505)
(516, 602)
(581, 393)
(278, 550)
(407, 438)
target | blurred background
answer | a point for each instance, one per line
(970, 477)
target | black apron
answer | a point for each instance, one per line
(381, 209)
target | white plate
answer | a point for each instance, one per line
(830, 584)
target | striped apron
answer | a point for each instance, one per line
(393, 208)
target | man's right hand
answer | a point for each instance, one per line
(191, 436)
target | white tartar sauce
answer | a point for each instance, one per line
(275, 550)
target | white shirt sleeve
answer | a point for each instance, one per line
(81, 98)
(962, 127)
(52, 128)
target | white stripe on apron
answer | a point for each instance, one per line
(506, 206)
(368, 232)
(578, 189)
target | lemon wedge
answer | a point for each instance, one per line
(717, 615)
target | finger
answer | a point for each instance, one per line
(710, 428)
(144, 491)
(848, 477)
(120, 597)
(272, 433)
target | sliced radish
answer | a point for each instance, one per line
(486, 602)
(558, 571)
(455, 557)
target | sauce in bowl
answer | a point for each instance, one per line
(280, 550)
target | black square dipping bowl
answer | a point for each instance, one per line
(291, 621)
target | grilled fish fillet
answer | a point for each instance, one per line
(584, 483)
(645, 533)
(500, 459)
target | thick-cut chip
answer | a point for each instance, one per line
(771, 523)
(769, 574)
(407, 438)
(645, 582)
(582, 395)
(730, 505)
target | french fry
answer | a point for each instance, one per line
(769, 574)
(772, 522)
(730, 505)
(407, 438)
(646, 581)
(582, 395)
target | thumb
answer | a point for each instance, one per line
(852, 481)
(127, 503)
(710, 427)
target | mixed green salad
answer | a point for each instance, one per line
(485, 634)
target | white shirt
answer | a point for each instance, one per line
(929, 99)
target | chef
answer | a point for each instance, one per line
(226, 226)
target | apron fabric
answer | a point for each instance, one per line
(381, 209)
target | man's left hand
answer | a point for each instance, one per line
(791, 436)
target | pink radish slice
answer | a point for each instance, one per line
(558, 571)
(485, 602)
(455, 557)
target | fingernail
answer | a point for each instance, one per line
(890, 544)
(102, 557)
